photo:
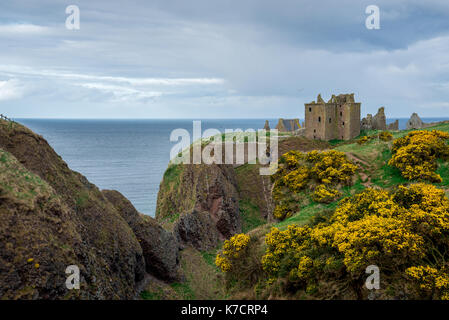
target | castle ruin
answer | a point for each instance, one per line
(338, 119)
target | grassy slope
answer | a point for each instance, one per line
(203, 281)
(373, 171)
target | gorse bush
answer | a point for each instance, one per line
(325, 194)
(240, 260)
(363, 140)
(405, 232)
(232, 249)
(321, 172)
(416, 154)
(385, 136)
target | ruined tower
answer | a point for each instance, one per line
(338, 119)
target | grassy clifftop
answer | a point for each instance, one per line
(312, 254)
(52, 217)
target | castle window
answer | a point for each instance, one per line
(341, 114)
(319, 119)
(310, 109)
(343, 123)
(314, 131)
(330, 120)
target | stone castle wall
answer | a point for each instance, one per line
(339, 118)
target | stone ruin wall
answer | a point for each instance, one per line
(337, 119)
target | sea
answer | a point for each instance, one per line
(130, 155)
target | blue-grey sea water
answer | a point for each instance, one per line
(128, 155)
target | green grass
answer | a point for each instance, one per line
(387, 176)
(184, 290)
(82, 199)
(443, 171)
(209, 257)
(145, 295)
(250, 215)
(172, 174)
(366, 152)
(358, 186)
(304, 216)
(336, 142)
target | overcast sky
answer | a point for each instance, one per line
(220, 58)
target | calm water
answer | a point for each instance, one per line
(127, 155)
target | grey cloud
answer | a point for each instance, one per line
(221, 58)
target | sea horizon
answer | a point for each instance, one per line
(131, 155)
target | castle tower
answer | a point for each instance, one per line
(338, 119)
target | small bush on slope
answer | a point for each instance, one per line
(416, 154)
(321, 171)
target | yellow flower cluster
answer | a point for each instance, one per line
(397, 230)
(363, 140)
(232, 250)
(324, 171)
(385, 136)
(325, 194)
(415, 154)
(282, 247)
(431, 281)
(375, 239)
(282, 211)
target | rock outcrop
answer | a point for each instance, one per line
(367, 122)
(160, 248)
(267, 125)
(202, 201)
(394, 126)
(52, 217)
(414, 122)
(288, 125)
(378, 122)
(197, 229)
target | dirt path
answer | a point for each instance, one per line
(363, 165)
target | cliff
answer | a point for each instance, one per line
(200, 204)
(52, 217)
(204, 204)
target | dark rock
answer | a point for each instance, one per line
(160, 248)
(378, 122)
(210, 189)
(197, 229)
(414, 122)
(267, 125)
(393, 126)
(367, 123)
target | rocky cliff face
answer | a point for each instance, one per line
(202, 203)
(52, 217)
(414, 122)
(160, 248)
(378, 122)
(394, 126)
